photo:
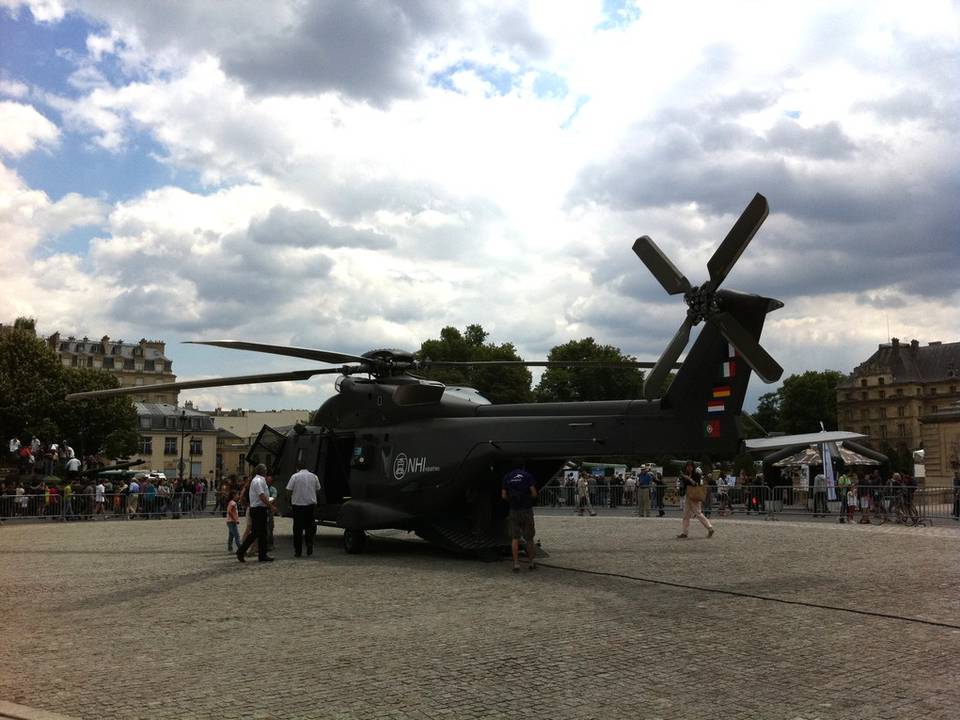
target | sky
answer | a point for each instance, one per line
(358, 175)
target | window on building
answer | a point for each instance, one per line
(901, 410)
(146, 445)
(196, 423)
(170, 423)
(149, 365)
(919, 391)
(108, 363)
(863, 383)
(127, 364)
(933, 408)
(168, 366)
(883, 432)
(883, 394)
(899, 392)
(196, 446)
(901, 430)
(865, 430)
(146, 422)
(64, 346)
(863, 395)
(847, 396)
(880, 381)
(170, 446)
(883, 412)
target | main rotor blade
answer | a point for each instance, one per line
(288, 350)
(654, 381)
(211, 382)
(737, 239)
(759, 359)
(538, 363)
(663, 270)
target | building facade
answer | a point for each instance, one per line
(887, 395)
(940, 432)
(141, 363)
(170, 435)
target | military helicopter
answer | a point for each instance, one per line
(394, 450)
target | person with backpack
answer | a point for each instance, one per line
(694, 490)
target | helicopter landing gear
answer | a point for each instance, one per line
(354, 541)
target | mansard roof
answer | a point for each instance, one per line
(933, 362)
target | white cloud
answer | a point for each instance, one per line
(22, 129)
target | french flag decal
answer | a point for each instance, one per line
(730, 369)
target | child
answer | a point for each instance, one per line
(851, 504)
(233, 522)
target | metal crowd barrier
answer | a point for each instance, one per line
(930, 502)
(83, 506)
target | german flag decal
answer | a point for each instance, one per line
(721, 391)
(712, 428)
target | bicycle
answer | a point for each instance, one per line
(907, 513)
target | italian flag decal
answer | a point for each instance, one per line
(712, 428)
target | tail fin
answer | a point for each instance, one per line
(712, 382)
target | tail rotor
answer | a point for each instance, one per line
(706, 303)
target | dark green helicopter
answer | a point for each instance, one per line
(395, 450)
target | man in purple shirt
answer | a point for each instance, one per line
(519, 488)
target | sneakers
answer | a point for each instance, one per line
(682, 536)
(240, 556)
(710, 533)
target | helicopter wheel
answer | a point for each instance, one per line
(354, 541)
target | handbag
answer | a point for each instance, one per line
(696, 493)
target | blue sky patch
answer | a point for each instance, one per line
(550, 85)
(795, 114)
(618, 14)
(499, 78)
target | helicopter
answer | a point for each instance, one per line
(394, 450)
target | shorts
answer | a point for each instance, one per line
(521, 524)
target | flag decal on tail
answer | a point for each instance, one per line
(716, 406)
(721, 391)
(730, 369)
(712, 428)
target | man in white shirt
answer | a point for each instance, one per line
(73, 467)
(260, 510)
(302, 488)
(100, 493)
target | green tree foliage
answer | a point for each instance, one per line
(560, 384)
(33, 383)
(767, 414)
(808, 399)
(499, 384)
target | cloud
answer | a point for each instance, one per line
(308, 228)
(24, 129)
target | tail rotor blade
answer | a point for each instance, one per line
(654, 381)
(737, 239)
(757, 358)
(666, 273)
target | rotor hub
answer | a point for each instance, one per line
(702, 302)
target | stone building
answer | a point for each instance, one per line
(141, 363)
(169, 434)
(940, 432)
(887, 395)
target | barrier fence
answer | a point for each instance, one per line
(84, 506)
(870, 501)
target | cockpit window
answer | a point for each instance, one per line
(466, 393)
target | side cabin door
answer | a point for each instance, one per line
(333, 469)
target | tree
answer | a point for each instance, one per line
(498, 384)
(33, 386)
(767, 414)
(560, 384)
(808, 399)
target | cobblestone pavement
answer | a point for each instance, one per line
(151, 620)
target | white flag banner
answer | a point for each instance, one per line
(828, 472)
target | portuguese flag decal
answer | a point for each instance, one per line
(712, 428)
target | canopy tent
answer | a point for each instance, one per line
(812, 456)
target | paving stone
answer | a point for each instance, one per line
(621, 621)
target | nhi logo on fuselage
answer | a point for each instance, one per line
(403, 465)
